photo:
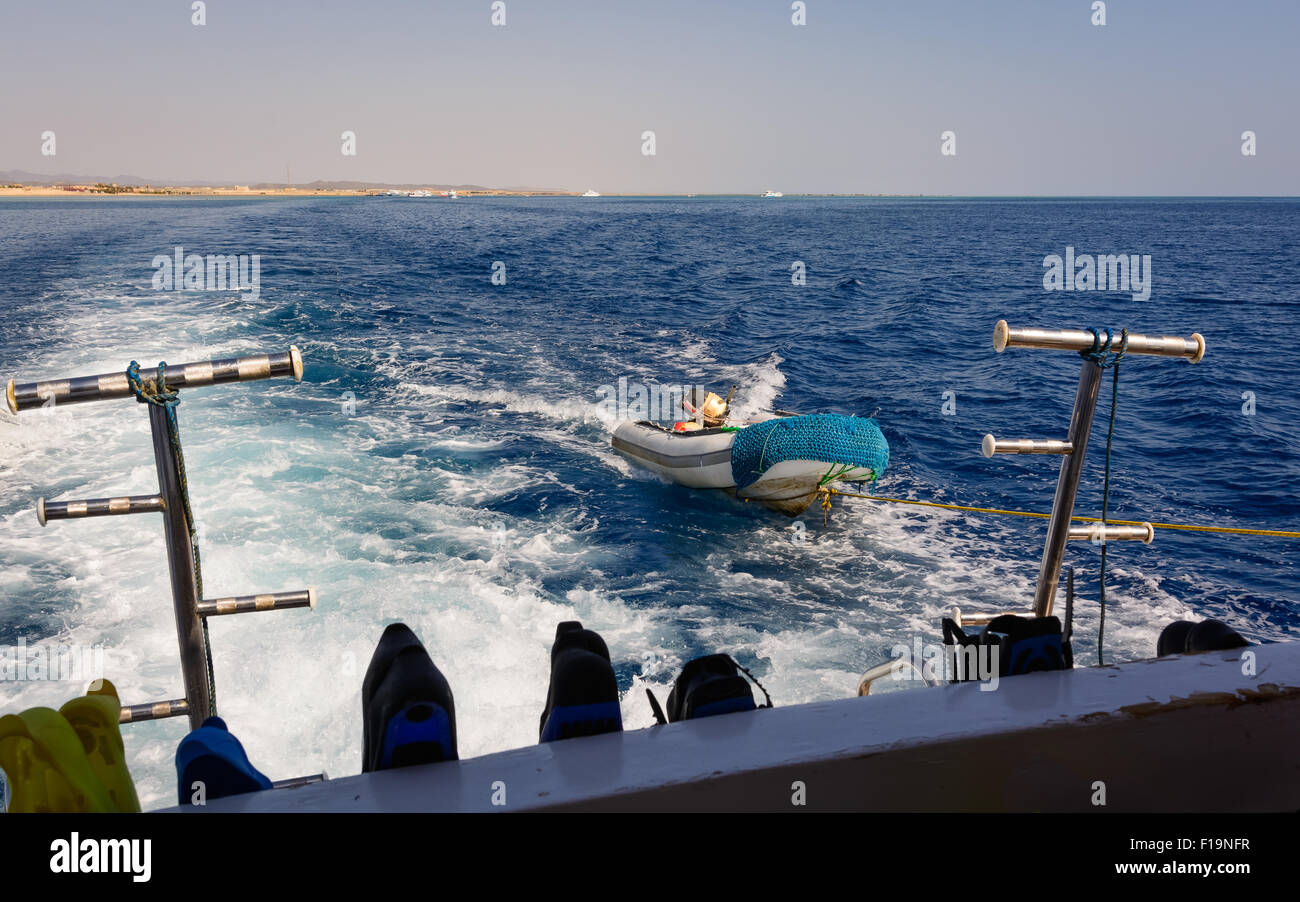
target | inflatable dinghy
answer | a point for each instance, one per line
(781, 463)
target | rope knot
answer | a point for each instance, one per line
(151, 391)
(1104, 353)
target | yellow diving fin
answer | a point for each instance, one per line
(68, 761)
(45, 767)
(95, 719)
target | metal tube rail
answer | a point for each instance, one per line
(1193, 348)
(98, 507)
(295, 782)
(991, 446)
(982, 618)
(887, 668)
(270, 601)
(180, 561)
(78, 389)
(1144, 533)
(153, 711)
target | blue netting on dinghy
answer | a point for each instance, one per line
(829, 437)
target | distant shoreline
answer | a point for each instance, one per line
(183, 191)
(101, 190)
(50, 191)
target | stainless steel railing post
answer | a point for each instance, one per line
(180, 560)
(1067, 488)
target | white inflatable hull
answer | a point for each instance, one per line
(702, 460)
(699, 460)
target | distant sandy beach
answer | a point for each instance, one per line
(84, 191)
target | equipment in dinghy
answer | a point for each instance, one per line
(781, 462)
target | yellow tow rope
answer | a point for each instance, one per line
(1284, 533)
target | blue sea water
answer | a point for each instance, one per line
(446, 460)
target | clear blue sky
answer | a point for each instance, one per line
(1042, 101)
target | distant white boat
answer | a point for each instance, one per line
(773, 194)
(590, 193)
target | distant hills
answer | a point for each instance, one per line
(22, 177)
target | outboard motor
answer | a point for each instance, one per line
(583, 696)
(408, 713)
(709, 411)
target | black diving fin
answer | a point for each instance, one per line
(408, 713)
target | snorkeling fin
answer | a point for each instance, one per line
(711, 685)
(1185, 637)
(1213, 635)
(1173, 638)
(583, 696)
(212, 756)
(46, 768)
(408, 712)
(95, 718)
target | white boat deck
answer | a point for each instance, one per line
(1184, 733)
